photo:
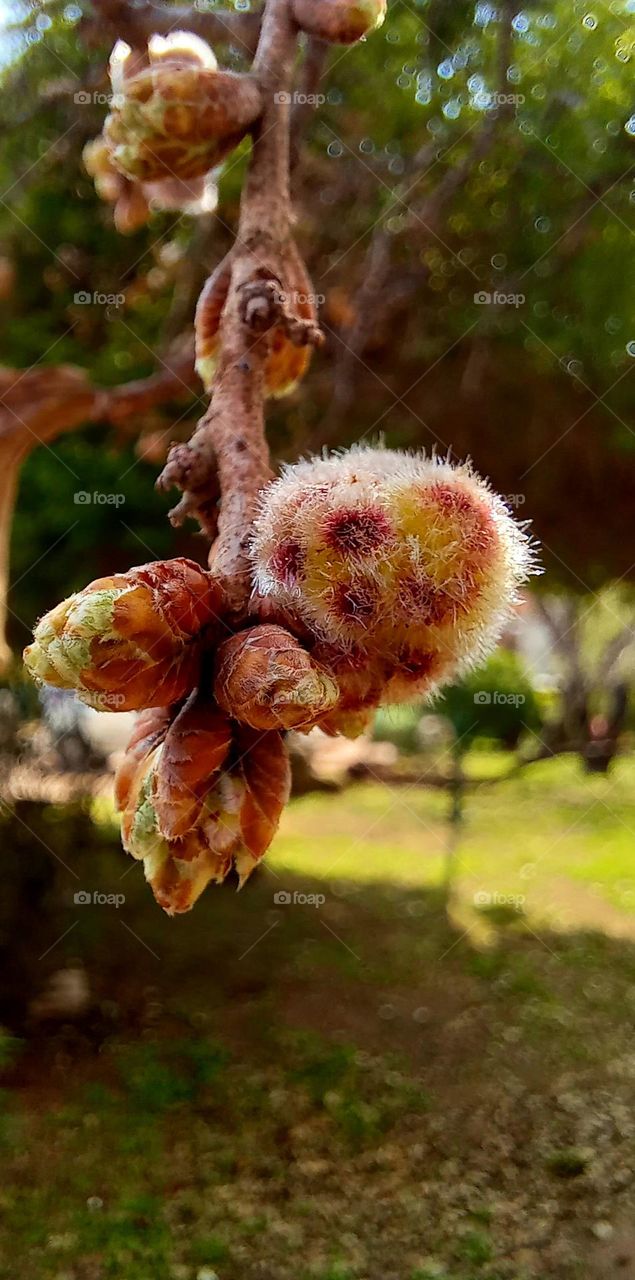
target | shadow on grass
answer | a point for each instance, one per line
(305, 1080)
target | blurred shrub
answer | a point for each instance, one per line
(399, 725)
(495, 701)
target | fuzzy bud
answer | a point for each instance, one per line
(340, 21)
(129, 641)
(179, 116)
(265, 679)
(404, 564)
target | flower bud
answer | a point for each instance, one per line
(401, 560)
(179, 116)
(129, 641)
(195, 748)
(341, 21)
(265, 679)
(235, 812)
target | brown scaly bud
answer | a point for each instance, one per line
(266, 776)
(264, 678)
(289, 356)
(179, 116)
(195, 748)
(340, 21)
(129, 641)
(236, 812)
(150, 729)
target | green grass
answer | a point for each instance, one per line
(523, 838)
(368, 1087)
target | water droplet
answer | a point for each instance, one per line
(445, 70)
(72, 13)
(452, 109)
(590, 21)
(499, 261)
(542, 225)
(335, 148)
(613, 324)
(630, 126)
(43, 22)
(520, 23)
(367, 146)
(402, 82)
(630, 348)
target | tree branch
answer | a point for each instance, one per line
(230, 439)
(136, 23)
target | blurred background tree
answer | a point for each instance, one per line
(471, 239)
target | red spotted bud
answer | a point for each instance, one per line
(405, 565)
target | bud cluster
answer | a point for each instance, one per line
(380, 576)
(199, 796)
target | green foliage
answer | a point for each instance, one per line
(554, 182)
(158, 1078)
(495, 701)
(399, 726)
